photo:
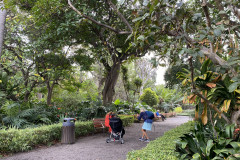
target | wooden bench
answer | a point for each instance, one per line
(99, 123)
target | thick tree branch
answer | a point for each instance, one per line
(120, 15)
(208, 20)
(207, 52)
(96, 22)
(206, 12)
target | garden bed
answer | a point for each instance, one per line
(163, 147)
(18, 140)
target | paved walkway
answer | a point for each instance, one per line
(95, 147)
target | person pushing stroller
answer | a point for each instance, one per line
(117, 130)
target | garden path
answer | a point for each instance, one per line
(95, 147)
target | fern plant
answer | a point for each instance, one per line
(26, 118)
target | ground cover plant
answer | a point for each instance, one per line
(163, 147)
(202, 144)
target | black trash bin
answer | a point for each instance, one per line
(68, 131)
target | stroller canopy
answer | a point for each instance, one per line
(116, 124)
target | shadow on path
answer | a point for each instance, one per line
(95, 147)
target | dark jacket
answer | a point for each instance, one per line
(143, 115)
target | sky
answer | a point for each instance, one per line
(160, 75)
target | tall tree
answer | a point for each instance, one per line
(101, 26)
(3, 14)
(196, 29)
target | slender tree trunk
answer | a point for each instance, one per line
(28, 93)
(3, 14)
(110, 82)
(100, 84)
(49, 95)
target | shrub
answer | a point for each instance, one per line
(163, 147)
(149, 97)
(178, 110)
(202, 144)
(127, 119)
(24, 115)
(16, 140)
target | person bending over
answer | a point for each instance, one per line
(147, 116)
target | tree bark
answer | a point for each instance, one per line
(3, 14)
(235, 116)
(28, 93)
(50, 90)
(110, 82)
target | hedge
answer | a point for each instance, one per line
(17, 140)
(127, 119)
(163, 147)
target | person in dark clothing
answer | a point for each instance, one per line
(147, 125)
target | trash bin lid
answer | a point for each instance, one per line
(68, 122)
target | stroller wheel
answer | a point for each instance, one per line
(122, 141)
(107, 140)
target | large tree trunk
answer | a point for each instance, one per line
(110, 82)
(3, 14)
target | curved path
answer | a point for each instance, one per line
(95, 147)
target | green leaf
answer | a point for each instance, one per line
(209, 147)
(117, 102)
(217, 32)
(137, 19)
(141, 37)
(235, 145)
(196, 156)
(222, 12)
(233, 86)
(205, 65)
(218, 151)
(229, 130)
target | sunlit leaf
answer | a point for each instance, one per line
(211, 85)
(204, 115)
(192, 98)
(226, 105)
(237, 90)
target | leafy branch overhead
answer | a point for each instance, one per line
(117, 31)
